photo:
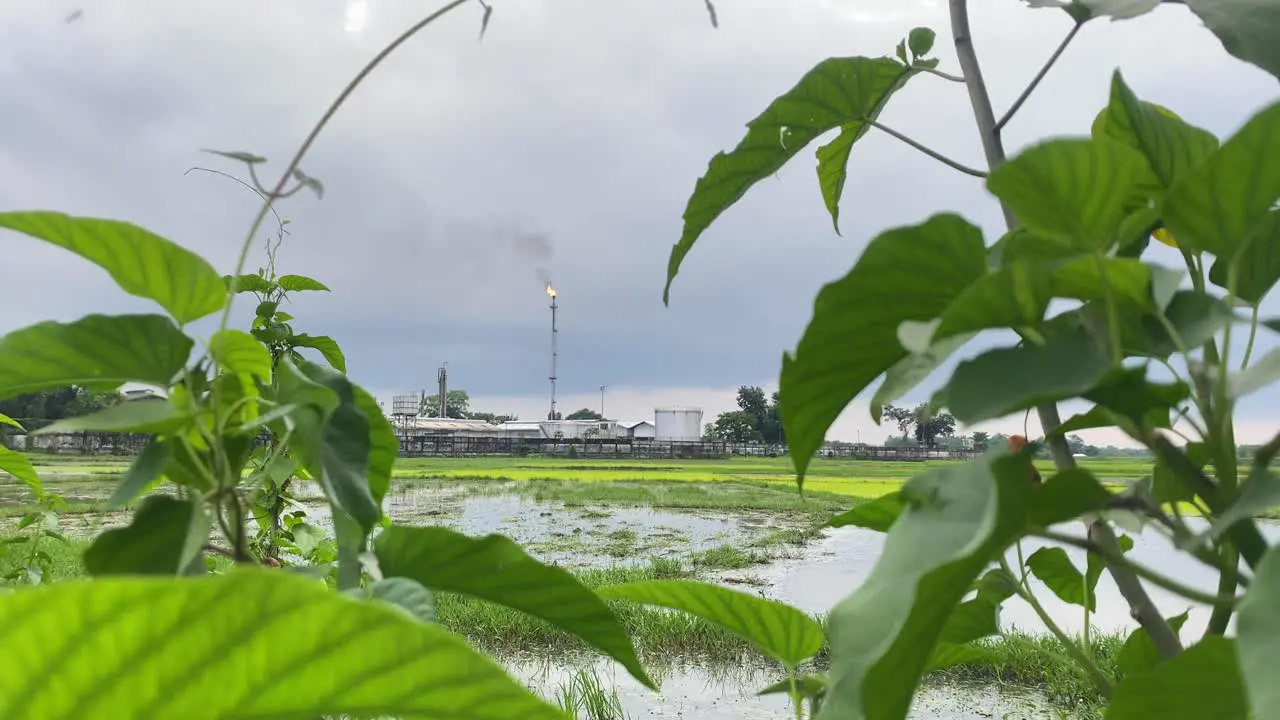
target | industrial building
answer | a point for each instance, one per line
(668, 425)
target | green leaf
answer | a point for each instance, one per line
(145, 470)
(1002, 381)
(384, 444)
(883, 635)
(200, 649)
(878, 514)
(1167, 486)
(1221, 203)
(495, 569)
(1258, 630)
(308, 182)
(778, 629)
(920, 40)
(838, 92)
(1127, 393)
(807, 686)
(335, 443)
(244, 157)
(922, 267)
(141, 263)
(6, 420)
(1247, 29)
(971, 620)
(299, 283)
(240, 353)
(996, 586)
(1066, 496)
(911, 370)
(1259, 493)
(406, 594)
(327, 346)
(266, 309)
(1139, 655)
(247, 283)
(1075, 190)
(100, 352)
(1171, 146)
(1261, 372)
(1053, 568)
(165, 536)
(1201, 682)
(1095, 564)
(1257, 265)
(149, 417)
(20, 467)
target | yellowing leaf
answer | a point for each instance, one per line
(1163, 235)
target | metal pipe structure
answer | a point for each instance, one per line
(552, 292)
(601, 402)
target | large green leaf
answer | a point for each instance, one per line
(1257, 264)
(959, 519)
(150, 416)
(240, 353)
(495, 569)
(327, 346)
(297, 283)
(837, 92)
(778, 629)
(1076, 190)
(247, 283)
(853, 336)
(334, 440)
(1201, 682)
(230, 646)
(1261, 373)
(98, 351)
(142, 263)
(20, 467)
(166, 537)
(1224, 200)
(911, 370)
(1247, 28)
(145, 470)
(1053, 568)
(1258, 645)
(408, 595)
(1171, 146)
(1005, 380)
(384, 444)
(878, 514)
(1139, 654)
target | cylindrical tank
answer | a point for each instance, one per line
(677, 424)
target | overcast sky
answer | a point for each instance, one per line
(463, 173)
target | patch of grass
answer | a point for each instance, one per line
(728, 557)
(1040, 662)
(789, 536)
(585, 696)
(735, 495)
(64, 557)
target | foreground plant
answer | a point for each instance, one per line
(1081, 212)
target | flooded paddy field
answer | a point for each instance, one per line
(727, 523)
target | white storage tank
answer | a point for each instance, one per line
(677, 424)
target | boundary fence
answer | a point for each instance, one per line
(417, 446)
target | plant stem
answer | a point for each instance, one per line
(1169, 584)
(1165, 639)
(939, 73)
(1100, 680)
(1253, 334)
(927, 151)
(1035, 82)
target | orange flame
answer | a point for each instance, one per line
(550, 290)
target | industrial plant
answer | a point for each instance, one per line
(424, 425)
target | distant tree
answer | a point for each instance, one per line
(50, 405)
(980, 440)
(585, 414)
(458, 408)
(737, 426)
(763, 413)
(1080, 447)
(920, 422)
(555, 416)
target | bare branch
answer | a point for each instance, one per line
(711, 11)
(1035, 82)
(927, 151)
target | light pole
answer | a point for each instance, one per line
(552, 292)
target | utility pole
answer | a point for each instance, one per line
(601, 402)
(552, 292)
